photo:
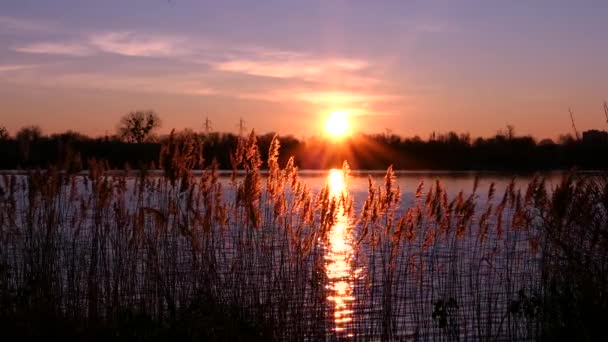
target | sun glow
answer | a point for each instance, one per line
(337, 124)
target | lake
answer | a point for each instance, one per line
(420, 268)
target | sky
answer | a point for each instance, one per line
(404, 67)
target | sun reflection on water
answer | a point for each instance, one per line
(338, 260)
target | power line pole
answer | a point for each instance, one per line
(573, 125)
(241, 126)
(208, 126)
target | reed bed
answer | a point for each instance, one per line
(133, 255)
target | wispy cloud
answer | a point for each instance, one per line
(250, 61)
(179, 84)
(51, 48)
(342, 97)
(20, 24)
(245, 72)
(290, 66)
(120, 43)
(135, 45)
(318, 80)
(16, 67)
(319, 97)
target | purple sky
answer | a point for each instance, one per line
(412, 67)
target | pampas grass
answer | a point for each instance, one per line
(121, 252)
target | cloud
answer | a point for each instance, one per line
(178, 84)
(249, 61)
(342, 97)
(121, 43)
(296, 76)
(289, 65)
(15, 67)
(134, 45)
(19, 24)
(306, 78)
(49, 48)
(245, 72)
(322, 97)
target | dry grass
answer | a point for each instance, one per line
(196, 256)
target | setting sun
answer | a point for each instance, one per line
(337, 124)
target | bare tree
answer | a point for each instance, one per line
(138, 126)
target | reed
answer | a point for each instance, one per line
(135, 255)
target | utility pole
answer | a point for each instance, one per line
(241, 127)
(573, 125)
(606, 110)
(208, 126)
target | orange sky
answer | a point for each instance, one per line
(394, 66)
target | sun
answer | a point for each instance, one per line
(337, 124)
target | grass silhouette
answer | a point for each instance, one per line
(109, 255)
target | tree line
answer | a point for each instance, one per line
(137, 146)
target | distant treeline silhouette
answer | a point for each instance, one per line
(29, 148)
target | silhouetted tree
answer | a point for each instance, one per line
(25, 137)
(510, 132)
(29, 133)
(138, 126)
(69, 136)
(546, 142)
(4, 133)
(565, 139)
(71, 151)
